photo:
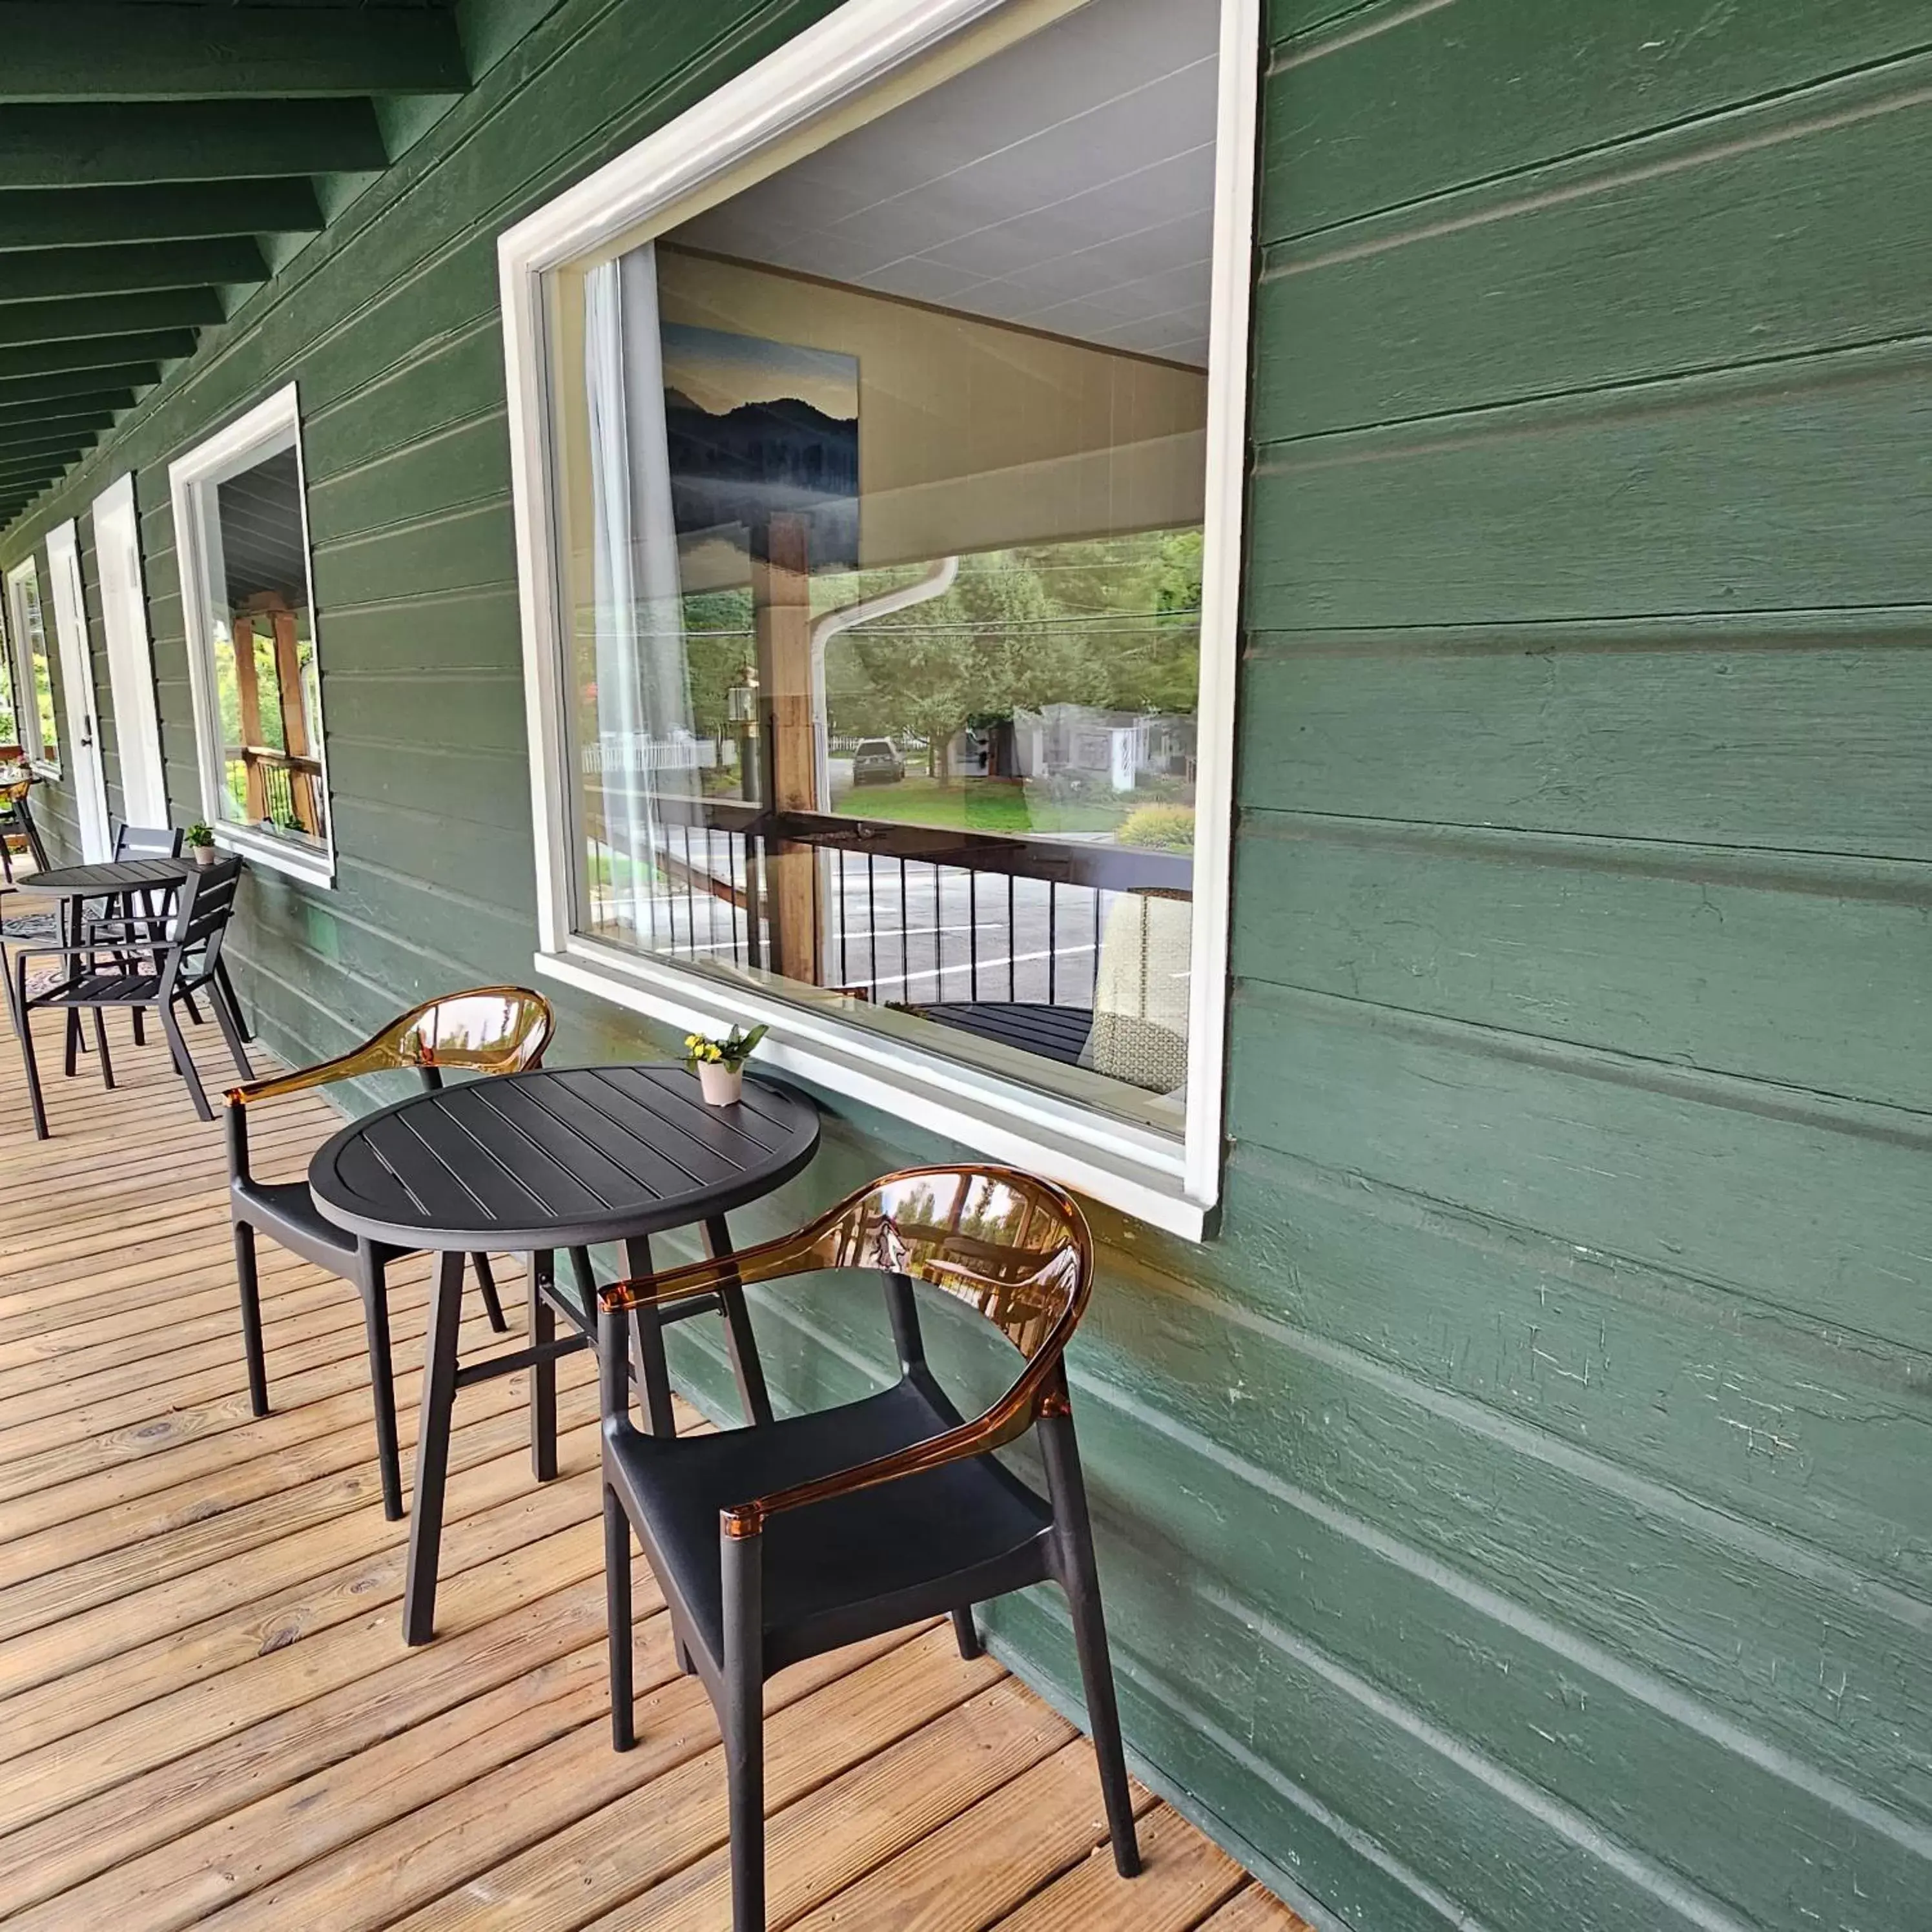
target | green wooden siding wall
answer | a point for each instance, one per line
(1518, 1517)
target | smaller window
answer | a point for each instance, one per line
(10, 723)
(35, 719)
(242, 525)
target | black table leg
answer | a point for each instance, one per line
(541, 1328)
(647, 1346)
(753, 1397)
(438, 1398)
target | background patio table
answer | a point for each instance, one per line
(531, 1163)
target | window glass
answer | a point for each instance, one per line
(259, 626)
(882, 484)
(36, 717)
(10, 723)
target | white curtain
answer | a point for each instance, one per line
(643, 696)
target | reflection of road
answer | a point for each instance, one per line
(906, 931)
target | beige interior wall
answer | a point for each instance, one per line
(973, 434)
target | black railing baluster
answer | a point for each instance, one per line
(972, 935)
(1052, 937)
(872, 922)
(905, 936)
(938, 940)
(690, 897)
(1092, 995)
(1012, 940)
(844, 971)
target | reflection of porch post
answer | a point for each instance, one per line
(249, 702)
(295, 720)
(782, 597)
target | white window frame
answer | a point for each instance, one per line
(271, 426)
(1173, 1182)
(26, 701)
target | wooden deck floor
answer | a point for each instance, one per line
(207, 1716)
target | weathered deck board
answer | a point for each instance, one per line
(206, 1712)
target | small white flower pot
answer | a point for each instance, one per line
(206, 855)
(722, 1086)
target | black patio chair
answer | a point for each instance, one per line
(130, 964)
(144, 841)
(786, 1539)
(488, 1029)
(17, 821)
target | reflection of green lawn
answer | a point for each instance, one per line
(973, 805)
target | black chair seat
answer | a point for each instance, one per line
(287, 1210)
(94, 989)
(904, 1550)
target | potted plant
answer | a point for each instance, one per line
(199, 840)
(719, 1064)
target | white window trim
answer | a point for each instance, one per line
(273, 424)
(26, 709)
(1174, 1184)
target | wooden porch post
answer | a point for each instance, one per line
(249, 693)
(295, 720)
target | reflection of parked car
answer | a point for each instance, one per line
(877, 761)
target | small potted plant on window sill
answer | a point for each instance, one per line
(719, 1064)
(199, 840)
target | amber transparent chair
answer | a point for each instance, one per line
(487, 1030)
(781, 1540)
(16, 818)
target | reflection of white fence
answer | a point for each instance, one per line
(635, 752)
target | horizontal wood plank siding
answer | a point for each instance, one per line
(1516, 1517)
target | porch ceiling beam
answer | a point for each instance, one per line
(159, 51)
(60, 405)
(108, 315)
(186, 211)
(36, 473)
(54, 147)
(39, 361)
(57, 446)
(129, 267)
(23, 437)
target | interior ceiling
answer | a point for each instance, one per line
(157, 156)
(263, 554)
(1066, 183)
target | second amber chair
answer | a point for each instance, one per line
(788, 1539)
(487, 1030)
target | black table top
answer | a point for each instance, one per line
(118, 875)
(561, 1158)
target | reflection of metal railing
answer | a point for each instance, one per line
(899, 913)
(282, 787)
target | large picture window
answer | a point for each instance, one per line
(882, 634)
(242, 522)
(34, 713)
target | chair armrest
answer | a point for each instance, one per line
(324, 1073)
(1040, 1390)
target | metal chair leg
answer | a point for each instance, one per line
(743, 1723)
(383, 1383)
(1080, 1579)
(647, 1343)
(231, 1034)
(227, 990)
(100, 1045)
(183, 1060)
(23, 1018)
(246, 1274)
(617, 1609)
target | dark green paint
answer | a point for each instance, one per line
(180, 210)
(56, 147)
(163, 51)
(90, 354)
(32, 274)
(1517, 1516)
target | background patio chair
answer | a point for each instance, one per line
(124, 963)
(17, 821)
(488, 1029)
(782, 1540)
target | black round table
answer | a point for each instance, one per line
(531, 1163)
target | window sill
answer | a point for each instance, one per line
(44, 769)
(1132, 1168)
(312, 868)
